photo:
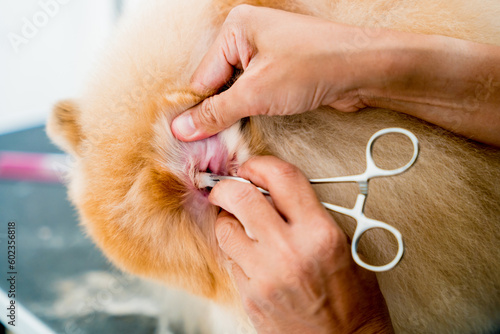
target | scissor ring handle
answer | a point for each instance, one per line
(372, 170)
(364, 224)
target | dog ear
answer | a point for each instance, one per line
(63, 126)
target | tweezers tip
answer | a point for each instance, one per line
(206, 180)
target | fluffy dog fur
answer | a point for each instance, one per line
(133, 183)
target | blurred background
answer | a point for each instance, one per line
(62, 282)
(46, 48)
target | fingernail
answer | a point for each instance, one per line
(184, 126)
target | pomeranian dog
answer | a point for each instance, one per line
(135, 188)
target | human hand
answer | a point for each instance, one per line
(296, 274)
(291, 64)
(294, 63)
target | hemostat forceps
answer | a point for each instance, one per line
(357, 212)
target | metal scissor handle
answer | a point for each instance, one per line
(364, 224)
(372, 170)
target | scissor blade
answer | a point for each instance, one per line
(339, 179)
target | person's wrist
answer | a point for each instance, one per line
(442, 80)
(404, 65)
(355, 291)
(366, 65)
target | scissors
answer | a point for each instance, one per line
(357, 212)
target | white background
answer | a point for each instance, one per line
(54, 63)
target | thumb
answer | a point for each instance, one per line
(211, 116)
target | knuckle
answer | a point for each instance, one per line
(231, 29)
(249, 304)
(209, 115)
(239, 12)
(302, 267)
(223, 232)
(328, 235)
(266, 290)
(330, 242)
(285, 171)
(253, 309)
(298, 271)
(245, 193)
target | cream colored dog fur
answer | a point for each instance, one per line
(133, 182)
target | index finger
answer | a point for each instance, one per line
(233, 240)
(250, 207)
(290, 190)
(230, 50)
